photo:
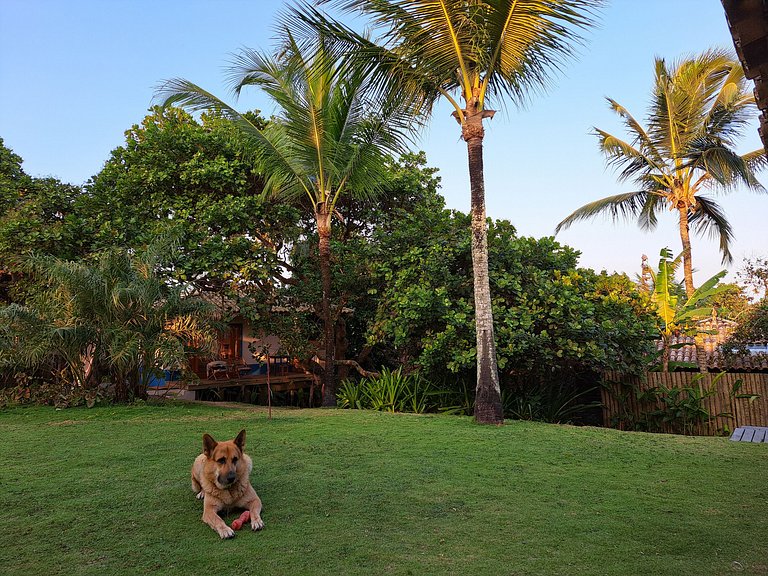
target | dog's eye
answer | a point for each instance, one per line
(234, 460)
(222, 460)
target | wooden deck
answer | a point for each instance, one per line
(756, 434)
(246, 388)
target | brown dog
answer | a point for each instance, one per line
(220, 478)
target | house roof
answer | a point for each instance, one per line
(710, 347)
(748, 23)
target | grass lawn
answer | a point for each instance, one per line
(106, 491)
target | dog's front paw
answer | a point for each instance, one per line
(200, 495)
(226, 532)
(256, 522)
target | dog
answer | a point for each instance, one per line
(220, 477)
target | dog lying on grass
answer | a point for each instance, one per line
(220, 477)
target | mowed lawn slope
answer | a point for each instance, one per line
(106, 491)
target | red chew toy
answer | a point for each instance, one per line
(243, 519)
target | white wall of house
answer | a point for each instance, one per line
(254, 338)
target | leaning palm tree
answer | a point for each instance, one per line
(467, 52)
(330, 138)
(699, 107)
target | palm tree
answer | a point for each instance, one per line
(467, 52)
(113, 318)
(330, 138)
(699, 107)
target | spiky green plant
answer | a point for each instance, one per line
(113, 319)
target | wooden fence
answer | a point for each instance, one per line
(659, 401)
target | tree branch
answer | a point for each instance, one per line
(360, 370)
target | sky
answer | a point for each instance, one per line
(75, 75)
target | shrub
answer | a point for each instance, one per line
(391, 391)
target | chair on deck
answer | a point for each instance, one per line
(216, 370)
(242, 368)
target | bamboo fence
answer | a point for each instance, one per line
(627, 401)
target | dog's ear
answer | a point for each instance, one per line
(209, 445)
(240, 440)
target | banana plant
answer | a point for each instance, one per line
(677, 317)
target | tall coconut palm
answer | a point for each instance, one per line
(698, 110)
(329, 138)
(467, 52)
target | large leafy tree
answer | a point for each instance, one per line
(555, 321)
(698, 109)
(468, 53)
(36, 214)
(409, 188)
(175, 175)
(329, 139)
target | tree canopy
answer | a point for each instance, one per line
(191, 179)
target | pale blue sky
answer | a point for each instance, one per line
(74, 75)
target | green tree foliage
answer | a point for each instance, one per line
(752, 325)
(111, 319)
(468, 53)
(407, 186)
(732, 303)
(754, 275)
(752, 328)
(190, 179)
(35, 214)
(329, 140)
(552, 318)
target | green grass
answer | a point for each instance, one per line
(106, 491)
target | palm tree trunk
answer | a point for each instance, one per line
(686, 240)
(698, 351)
(323, 219)
(488, 409)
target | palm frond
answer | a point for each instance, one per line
(709, 219)
(642, 138)
(628, 205)
(508, 48)
(270, 145)
(634, 163)
(526, 42)
(720, 163)
(757, 160)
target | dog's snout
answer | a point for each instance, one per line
(230, 477)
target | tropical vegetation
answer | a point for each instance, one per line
(699, 108)
(108, 320)
(319, 226)
(467, 53)
(329, 139)
(400, 271)
(677, 315)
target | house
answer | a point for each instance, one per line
(241, 342)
